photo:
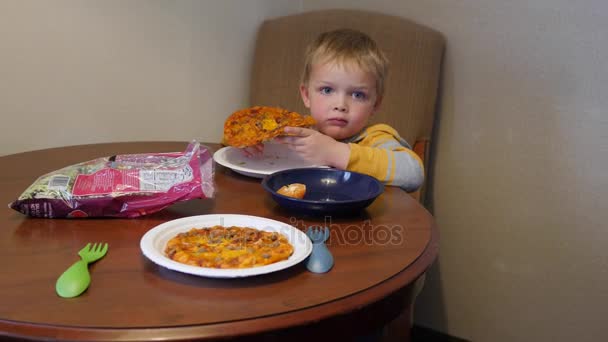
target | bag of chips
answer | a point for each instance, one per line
(128, 185)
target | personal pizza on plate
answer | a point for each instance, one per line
(228, 247)
(252, 126)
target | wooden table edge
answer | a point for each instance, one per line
(20, 330)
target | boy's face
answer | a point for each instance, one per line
(341, 98)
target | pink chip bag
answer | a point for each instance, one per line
(128, 185)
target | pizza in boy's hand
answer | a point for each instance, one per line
(252, 126)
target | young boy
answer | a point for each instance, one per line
(342, 85)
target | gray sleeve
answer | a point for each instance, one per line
(407, 172)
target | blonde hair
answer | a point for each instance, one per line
(345, 46)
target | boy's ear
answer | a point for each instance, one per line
(377, 104)
(305, 95)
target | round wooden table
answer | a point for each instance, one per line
(378, 253)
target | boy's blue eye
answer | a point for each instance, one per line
(325, 90)
(359, 95)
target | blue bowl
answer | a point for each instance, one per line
(328, 191)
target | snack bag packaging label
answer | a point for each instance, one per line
(128, 185)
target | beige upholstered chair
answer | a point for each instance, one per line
(414, 51)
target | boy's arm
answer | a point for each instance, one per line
(382, 156)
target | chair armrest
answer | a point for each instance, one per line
(421, 149)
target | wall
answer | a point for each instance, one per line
(520, 177)
(82, 71)
(521, 149)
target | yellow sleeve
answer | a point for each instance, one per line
(365, 159)
(383, 154)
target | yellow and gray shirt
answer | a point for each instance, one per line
(380, 152)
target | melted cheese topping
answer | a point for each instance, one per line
(232, 247)
(269, 124)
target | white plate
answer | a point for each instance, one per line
(153, 243)
(276, 157)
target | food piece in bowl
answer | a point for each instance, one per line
(252, 126)
(228, 247)
(295, 190)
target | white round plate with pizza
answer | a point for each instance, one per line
(154, 243)
(276, 157)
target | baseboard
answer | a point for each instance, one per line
(423, 334)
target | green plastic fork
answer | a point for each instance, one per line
(76, 279)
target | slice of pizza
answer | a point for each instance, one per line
(252, 126)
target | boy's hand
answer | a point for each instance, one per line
(316, 147)
(255, 151)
